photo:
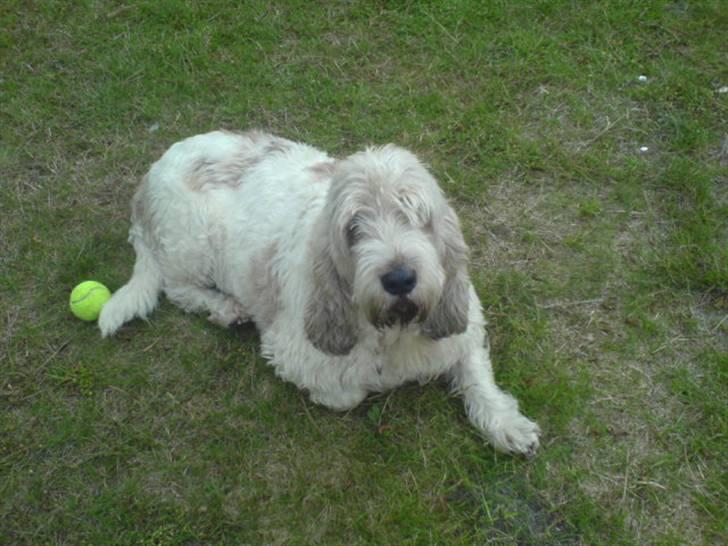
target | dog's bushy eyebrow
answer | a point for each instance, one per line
(414, 207)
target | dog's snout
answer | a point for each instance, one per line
(400, 281)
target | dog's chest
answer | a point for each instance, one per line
(402, 355)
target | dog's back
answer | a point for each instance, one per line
(200, 193)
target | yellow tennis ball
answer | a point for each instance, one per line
(87, 299)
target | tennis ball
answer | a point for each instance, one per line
(87, 299)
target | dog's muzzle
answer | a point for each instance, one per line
(400, 282)
(403, 310)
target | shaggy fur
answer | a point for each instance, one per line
(353, 270)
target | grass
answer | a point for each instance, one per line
(603, 270)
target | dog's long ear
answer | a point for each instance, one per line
(330, 321)
(450, 316)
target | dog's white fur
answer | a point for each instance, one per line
(254, 227)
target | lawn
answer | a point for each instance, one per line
(584, 146)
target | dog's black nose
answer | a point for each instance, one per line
(400, 281)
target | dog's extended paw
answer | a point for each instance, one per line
(514, 434)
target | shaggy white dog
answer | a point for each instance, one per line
(353, 270)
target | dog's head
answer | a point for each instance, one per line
(387, 247)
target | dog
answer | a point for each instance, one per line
(353, 270)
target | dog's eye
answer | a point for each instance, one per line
(353, 232)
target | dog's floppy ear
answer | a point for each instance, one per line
(450, 315)
(330, 321)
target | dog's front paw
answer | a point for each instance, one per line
(514, 433)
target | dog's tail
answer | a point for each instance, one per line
(138, 297)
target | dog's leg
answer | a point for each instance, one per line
(223, 309)
(137, 297)
(491, 410)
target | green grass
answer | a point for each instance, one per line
(603, 271)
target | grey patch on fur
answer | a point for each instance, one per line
(329, 318)
(267, 286)
(206, 173)
(277, 145)
(450, 315)
(256, 135)
(322, 170)
(254, 147)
